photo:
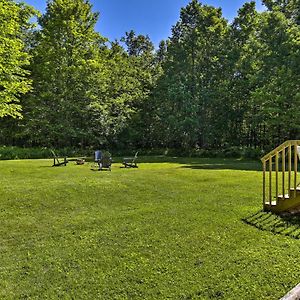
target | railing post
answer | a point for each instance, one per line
(295, 169)
(270, 180)
(276, 168)
(264, 183)
(290, 167)
(283, 172)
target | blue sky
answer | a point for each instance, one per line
(152, 17)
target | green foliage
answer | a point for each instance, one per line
(188, 91)
(229, 152)
(211, 85)
(290, 8)
(274, 78)
(66, 72)
(8, 153)
(137, 45)
(11, 153)
(84, 92)
(14, 59)
(228, 85)
(252, 153)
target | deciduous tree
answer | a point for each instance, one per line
(14, 60)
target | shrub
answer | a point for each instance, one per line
(252, 153)
(23, 153)
(232, 152)
(10, 152)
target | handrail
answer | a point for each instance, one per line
(279, 148)
(273, 187)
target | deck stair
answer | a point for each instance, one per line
(281, 192)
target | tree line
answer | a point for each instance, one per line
(212, 83)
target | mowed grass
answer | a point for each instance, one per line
(168, 230)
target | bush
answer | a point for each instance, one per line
(23, 153)
(233, 152)
(252, 153)
(10, 152)
(230, 152)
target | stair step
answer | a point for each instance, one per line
(297, 189)
(281, 197)
(273, 203)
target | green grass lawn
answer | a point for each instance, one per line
(172, 229)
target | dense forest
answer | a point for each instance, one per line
(211, 84)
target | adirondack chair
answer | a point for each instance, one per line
(103, 160)
(57, 161)
(98, 156)
(130, 162)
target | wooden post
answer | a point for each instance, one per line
(270, 180)
(290, 167)
(276, 169)
(283, 171)
(264, 183)
(295, 169)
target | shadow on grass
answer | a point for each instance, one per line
(102, 170)
(195, 163)
(276, 224)
(229, 165)
(205, 163)
(45, 167)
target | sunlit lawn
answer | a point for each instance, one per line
(180, 229)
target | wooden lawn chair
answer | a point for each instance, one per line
(103, 160)
(130, 162)
(57, 162)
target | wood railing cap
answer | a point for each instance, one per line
(280, 148)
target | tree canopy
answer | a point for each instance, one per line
(212, 83)
(14, 59)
